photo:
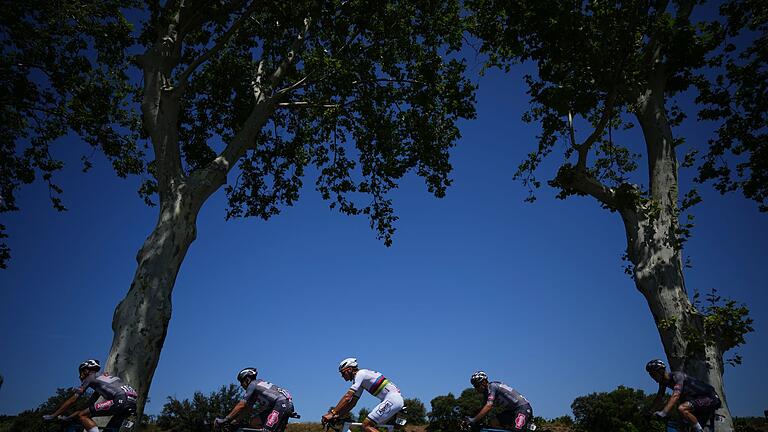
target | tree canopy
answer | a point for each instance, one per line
(593, 60)
(357, 92)
(63, 71)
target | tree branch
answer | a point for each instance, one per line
(218, 46)
(378, 80)
(209, 179)
(584, 147)
(289, 58)
(304, 104)
(154, 7)
(298, 84)
(306, 79)
(575, 180)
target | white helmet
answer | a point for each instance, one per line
(347, 362)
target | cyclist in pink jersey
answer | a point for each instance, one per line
(119, 398)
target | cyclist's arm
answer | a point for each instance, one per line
(347, 402)
(67, 403)
(659, 396)
(486, 408)
(235, 411)
(677, 389)
(672, 401)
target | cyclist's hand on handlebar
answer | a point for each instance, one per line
(327, 418)
(218, 422)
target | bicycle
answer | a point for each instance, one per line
(72, 424)
(680, 425)
(344, 424)
(239, 428)
(466, 427)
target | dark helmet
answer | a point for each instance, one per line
(478, 377)
(248, 372)
(654, 365)
(89, 364)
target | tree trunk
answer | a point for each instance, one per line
(654, 249)
(141, 319)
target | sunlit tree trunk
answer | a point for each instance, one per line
(140, 322)
(653, 247)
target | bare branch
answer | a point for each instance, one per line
(393, 80)
(575, 180)
(170, 5)
(289, 58)
(219, 44)
(304, 104)
(256, 84)
(306, 79)
(584, 147)
(298, 84)
(154, 7)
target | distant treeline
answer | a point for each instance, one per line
(621, 410)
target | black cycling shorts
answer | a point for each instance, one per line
(704, 406)
(275, 419)
(516, 418)
(119, 408)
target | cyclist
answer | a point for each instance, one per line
(273, 403)
(516, 411)
(377, 385)
(119, 398)
(700, 400)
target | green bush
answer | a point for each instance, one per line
(197, 415)
(622, 410)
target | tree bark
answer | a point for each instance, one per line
(141, 319)
(654, 250)
(140, 322)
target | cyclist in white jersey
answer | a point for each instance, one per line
(377, 385)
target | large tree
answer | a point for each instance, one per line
(358, 93)
(602, 67)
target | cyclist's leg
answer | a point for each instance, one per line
(523, 416)
(384, 411)
(705, 409)
(505, 419)
(277, 418)
(84, 416)
(118, 409)
(686, 410)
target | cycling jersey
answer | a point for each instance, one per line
(379, 386)
(689, 387)
(504, 396)
(374, 382)
(264, 394)
(106, 386)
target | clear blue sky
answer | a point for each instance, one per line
(533, 294)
